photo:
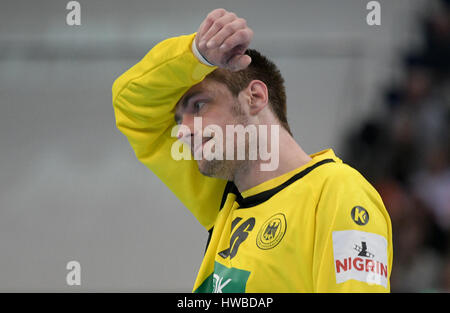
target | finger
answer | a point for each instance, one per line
(209, 20)
(241, 37)
(204, 26)
(239, 62)
(227, 31)
(215, 27)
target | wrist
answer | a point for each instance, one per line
(199, 56)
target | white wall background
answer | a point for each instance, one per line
(70, 186)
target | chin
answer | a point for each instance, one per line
(215, 168)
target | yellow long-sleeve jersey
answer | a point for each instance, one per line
(319, 228)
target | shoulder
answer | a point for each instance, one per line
(339, 172)
(347, 199)
(340, 177)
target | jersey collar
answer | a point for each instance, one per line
(264, 191)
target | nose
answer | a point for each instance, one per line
(186, 129)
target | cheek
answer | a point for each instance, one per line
(219, 115)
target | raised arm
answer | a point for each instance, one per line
(144, 99)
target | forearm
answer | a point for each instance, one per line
(144, 98)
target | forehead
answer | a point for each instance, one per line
(207, 86)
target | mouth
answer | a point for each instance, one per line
(195, 149)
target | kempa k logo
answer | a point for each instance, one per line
(360, 215)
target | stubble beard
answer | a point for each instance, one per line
(227, 169)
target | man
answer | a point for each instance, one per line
(308, 224)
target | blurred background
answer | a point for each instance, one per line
(72, 189)
(404, 151)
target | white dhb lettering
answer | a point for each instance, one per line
(218, 285)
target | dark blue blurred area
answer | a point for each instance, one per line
(404, 152)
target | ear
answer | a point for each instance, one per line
(259, 96)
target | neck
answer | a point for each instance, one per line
(291, 156)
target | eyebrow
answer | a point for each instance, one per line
(186, 101)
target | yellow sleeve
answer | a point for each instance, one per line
(144, 99)
(353, 242)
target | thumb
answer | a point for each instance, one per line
(239, 62)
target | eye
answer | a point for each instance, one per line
(198, 105)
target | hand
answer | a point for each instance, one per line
(223, 38)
